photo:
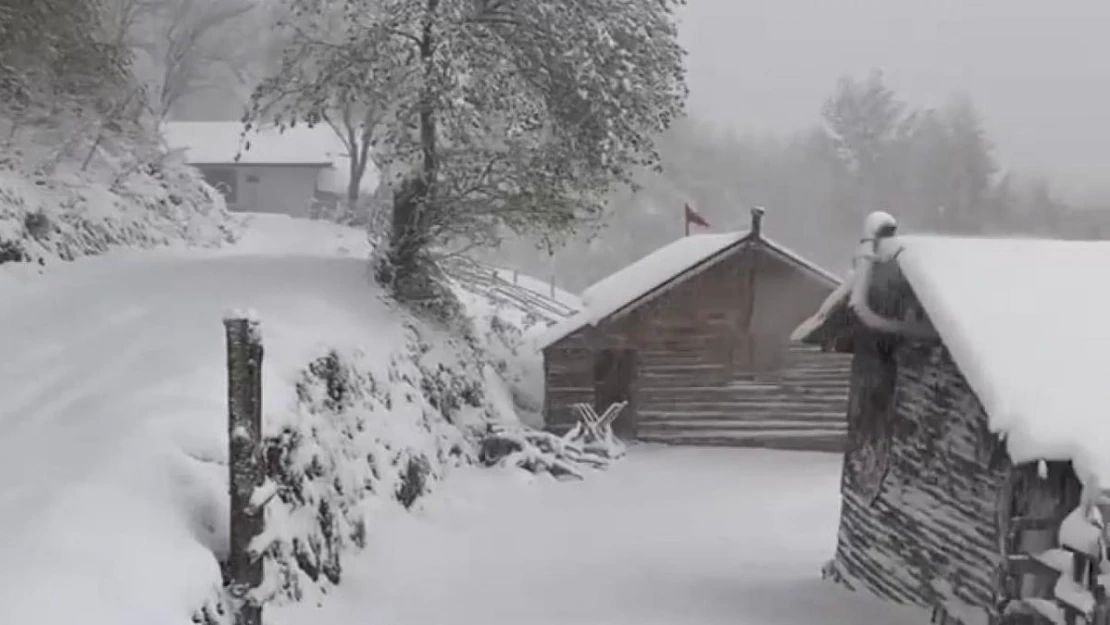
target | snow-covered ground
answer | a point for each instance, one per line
(113, 489)
(112, 404)
(112, 391)
(668, 536)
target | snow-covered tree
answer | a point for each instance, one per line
(182, 47)
(869, 126)
(64, 81)
(483, 115)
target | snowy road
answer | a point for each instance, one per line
(666, 537)
(111, 427)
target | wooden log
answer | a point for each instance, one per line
(245, 467)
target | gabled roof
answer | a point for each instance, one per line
(1026, 322)
(670, 265)
(218, 143)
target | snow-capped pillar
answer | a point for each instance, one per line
(757, 221)
(245, 470)
(877, 228)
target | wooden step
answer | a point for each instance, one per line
(735, 395)
(840, 376)
(741, 402)
(813, 441)
(739, 405)
(659, 426)
(655, 411)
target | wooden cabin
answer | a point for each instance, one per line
(695, 337)
(969, 411)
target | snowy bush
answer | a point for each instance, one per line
(361, 437)
(503, 331)
(356, 437)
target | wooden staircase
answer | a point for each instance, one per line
(805, 409)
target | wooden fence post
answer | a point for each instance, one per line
(245, 471)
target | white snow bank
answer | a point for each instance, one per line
(504, 331)
(71, 215)
(1026, 321)
(503, 324)
(266, 233)
(665, 537)
(112, 404)
(112, 489)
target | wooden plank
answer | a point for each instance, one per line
(1030, 565)
(1024, 524)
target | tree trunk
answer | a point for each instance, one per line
(407, 240)
(354, 185)
(416, 198)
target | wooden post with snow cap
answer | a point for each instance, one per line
(245, 470)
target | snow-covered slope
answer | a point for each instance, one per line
(112, 413)
(44, 220)
(507, 312)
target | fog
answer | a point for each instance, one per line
(1038, 71)
(1021, 154)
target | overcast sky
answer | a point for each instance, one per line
(1039, 70)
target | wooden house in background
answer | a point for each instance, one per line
(695, 337)
(301, 171)
(979, 385)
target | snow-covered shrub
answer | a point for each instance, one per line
(361, 437)
(503, 332)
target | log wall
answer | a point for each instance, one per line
(922, 484)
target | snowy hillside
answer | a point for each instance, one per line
(75, 214)
(113, 454)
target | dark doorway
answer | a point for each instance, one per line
(614, 375)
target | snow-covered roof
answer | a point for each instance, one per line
(210, 143)
(668, 265)
(1025, 320)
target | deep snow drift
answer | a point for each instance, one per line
(668, 536)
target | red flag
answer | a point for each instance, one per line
(693, 217)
